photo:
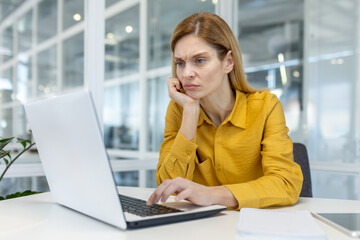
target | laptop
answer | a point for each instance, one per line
(73, 155)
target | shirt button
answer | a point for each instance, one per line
(297, 172)
(188, 152)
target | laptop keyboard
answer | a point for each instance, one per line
(138, 207)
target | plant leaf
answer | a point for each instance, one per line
(20, 194)
(23, 142)
(6, 161)
(4, 142)
(4, 153)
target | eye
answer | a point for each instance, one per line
(200, 60)
(179, 63)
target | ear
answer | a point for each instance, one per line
(228, 62)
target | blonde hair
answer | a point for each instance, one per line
(215, 31)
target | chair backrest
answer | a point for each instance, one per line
(301, 158)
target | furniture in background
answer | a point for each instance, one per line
(301, 158)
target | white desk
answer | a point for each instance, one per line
(38, 217)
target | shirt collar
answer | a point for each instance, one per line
(203, 117)
(237, 116)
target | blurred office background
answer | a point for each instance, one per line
(305, 51)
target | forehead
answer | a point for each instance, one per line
(191, 45)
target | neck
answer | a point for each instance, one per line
(219, 105)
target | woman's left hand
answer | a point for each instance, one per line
(184, 189)
(193, 192)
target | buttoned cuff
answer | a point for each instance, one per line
(245, 195)
(183, 149)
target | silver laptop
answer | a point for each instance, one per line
(71, 148)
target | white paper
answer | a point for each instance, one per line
(278, 224)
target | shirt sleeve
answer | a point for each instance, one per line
(177, 154)
(282, 180)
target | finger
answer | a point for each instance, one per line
(159, 191)
(174, 83)
(186, 194)
(150, 201)
(172, 88)
(178, 85)
(174, 187)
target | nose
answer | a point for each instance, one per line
(188, 72)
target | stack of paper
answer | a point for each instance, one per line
(278, 224)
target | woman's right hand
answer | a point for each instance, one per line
(174, 87)
(191, 108)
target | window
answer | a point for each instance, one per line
(163, 16)
(121, 93)
(47, 71)
(24, 31)
(121, 116)
(7, 87)
(73, 62)
(25, 88)
(73, 12)
(47, 20)
(122, 44)
(7, 43)
(157, 105)
(271, 41)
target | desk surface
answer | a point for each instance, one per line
(38, 217)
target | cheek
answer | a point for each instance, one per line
(212, 74)
(178, 73)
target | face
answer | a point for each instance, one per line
(199, 69)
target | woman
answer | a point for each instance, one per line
(224, 142)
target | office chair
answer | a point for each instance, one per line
(301, 158)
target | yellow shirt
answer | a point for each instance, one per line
(250, 152)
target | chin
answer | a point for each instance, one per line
(194, 95)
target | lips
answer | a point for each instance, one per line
(190, 86)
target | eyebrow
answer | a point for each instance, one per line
(193, 56)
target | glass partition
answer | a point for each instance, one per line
(47, 71)
(32, 49)
(122, 44)
(131, 178)
(12, 185)
(163, 16)
(73, 12)
(121, 94)
(7, 44)
(73, 61)
(24, 89)
(157, 105)
(325, 183)
(24, 32)
(21, 126)
(6, 122)
(271, 41)
(47, 20)
(333, 59)
(108, 3)
(122, 116)
(6, 85)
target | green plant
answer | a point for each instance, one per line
(7, 159)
